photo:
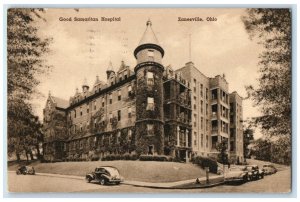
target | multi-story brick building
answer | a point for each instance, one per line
(151, 110)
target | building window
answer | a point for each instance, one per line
(80, 111)
(195, 89)
(195, 138)
(95, 123)
(195, 106)
(119, 115)
(195, 124)
(150, 79)
(206, 109)
(110, 98)
(119, 95)
(206, 141)
(150, 103)
(118, 136)
(129, 135)
(81, 144)
(214, 94)
(206, 124)
(201, 106)
(150, 150)
(206, 94)
(95, 105)
(129, 112)
(87, 110)
(125, 76)
(110, 117)
(201, 122)
(74, 113)
(150, 129)
(151, 55)
(80, 127)
(201, 90)
(103, 102)
(129, 91)
(201, 140)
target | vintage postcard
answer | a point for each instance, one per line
(149, 100)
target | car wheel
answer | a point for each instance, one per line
(117, 183)
(245, 179)
(102, 181)
(88, 179)
(18, 172)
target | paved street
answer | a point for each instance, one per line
(279, 182)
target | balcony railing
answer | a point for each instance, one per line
(181, 101)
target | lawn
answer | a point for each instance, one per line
(145, 171)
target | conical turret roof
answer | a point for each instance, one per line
(149, 36)
(85, 83)
(148, 40)
(110, 67)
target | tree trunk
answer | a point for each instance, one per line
(18, 156)
(38, 151)
(31, 155)
(27, 157)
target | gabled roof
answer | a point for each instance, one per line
(61, 103)
(149, 36)
(122, 66)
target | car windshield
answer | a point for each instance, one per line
(235, 169)
(112, 171)
(249, 168)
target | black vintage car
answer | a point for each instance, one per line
(105, 175)
(254, 173)
(25, 170)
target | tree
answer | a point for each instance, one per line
(272, 29)
(25, 62)
(262, 149)
(223, 156)
(248, 138)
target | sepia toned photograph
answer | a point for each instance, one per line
(149, 100)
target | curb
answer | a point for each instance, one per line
(177, 187)
(185, 184)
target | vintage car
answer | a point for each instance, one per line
(254, 173)
(236, 174)
(25, 170)
(269, 169)
(105, 175)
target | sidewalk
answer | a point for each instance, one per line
(185, 184)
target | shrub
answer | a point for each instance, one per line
(154, 158)
(95, 158)
(206, 162)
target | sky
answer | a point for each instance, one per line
(82, 50)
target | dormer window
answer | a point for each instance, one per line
(150, 79)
